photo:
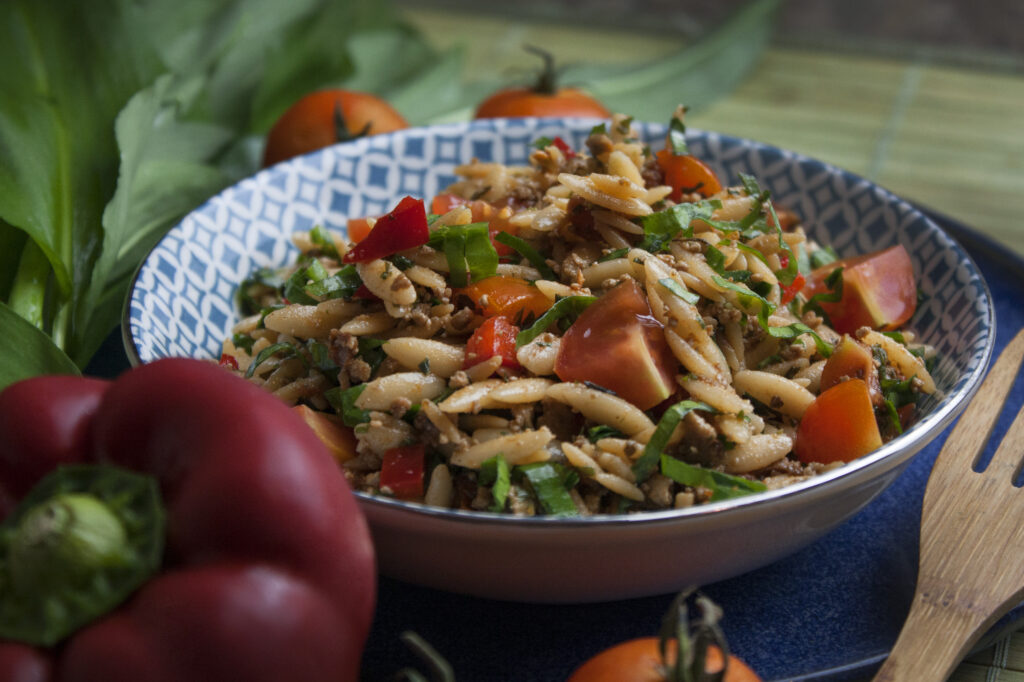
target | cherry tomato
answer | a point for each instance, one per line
(510, 297)
(878, 291)
(496, 336)
(639, 660)
(617, 344)
(851, 360)
(545, 98)
(685, 173)
(839, 426)
(325, 117)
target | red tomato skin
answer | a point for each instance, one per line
(401, 471)
(510, 297)
(617, 344)
(404, 228)
(839, 426)
(496, 336)
(639, 660)
(685, 172)
(309, 124)
(515, 102)
(878, 291)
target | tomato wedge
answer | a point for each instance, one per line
(839, 426)
(685, 173)
(617, 344)
(878, 291)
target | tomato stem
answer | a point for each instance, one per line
(547, 81)
(341, 131)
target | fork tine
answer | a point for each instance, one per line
(1010, 451)
(975, 425)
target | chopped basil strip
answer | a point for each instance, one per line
(662, 227)
(271, 350)
(467, 248)
(823, 257)
(648, 461)
(243, 341)
(612, 255)
(528, 252)
(401, 262)
(599, 129)
(321, 356)
(677, 137)
(763, 199)
(495, 473)
(716, 259)
(343, 400)
(549, 486)
(542, 142)
(722, 486)
(834, 284)
(570, 306)
(267, 279)
(323, 241)
(677, 289)
(371, 353)
(424, 366)
(596, 433)
(341, 284)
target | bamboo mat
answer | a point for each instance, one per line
(949, 137)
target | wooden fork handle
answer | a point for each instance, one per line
(933, 641)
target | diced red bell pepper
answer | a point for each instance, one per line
(510, 297)
(790, 291)
(228, 361)
(404, 228)
(563, 147)
(268, 571)
(685, 173)
(401, 472)
(496, 336)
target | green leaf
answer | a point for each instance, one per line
(678, 290)
(722, 486)
(570, 306)
(662, 227)
(645, 465)
(343, 400)
(26, 351)
(524, 249)
(468, 249)
(495, 473)
(549, 486)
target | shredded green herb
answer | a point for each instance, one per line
(468, 250)
(495, 473)
(722, 486)
(564, 308)
(343, 400)
(528, 252)
(550, 483)
(646, 464)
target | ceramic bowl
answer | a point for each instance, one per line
(181, 304)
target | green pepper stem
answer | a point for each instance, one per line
(64, 540)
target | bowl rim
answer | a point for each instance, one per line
(892, 454)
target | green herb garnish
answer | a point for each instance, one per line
(645, 465)
(564, 308)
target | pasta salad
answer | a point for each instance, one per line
(604, 330)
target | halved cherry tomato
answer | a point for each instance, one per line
(325, 117)
(544, 98)
(401, 471)
(639, 660)
(482, 212)
(404, 228)
(878, 290)
(496, 336)
(510, 297)
(339, 439)
(685, 173)
(839, 426)
(617, 344)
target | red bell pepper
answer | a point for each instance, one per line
(404, 228)
(267, 571)
(401, 471)
(496, 336)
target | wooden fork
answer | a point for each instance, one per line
(972, 538)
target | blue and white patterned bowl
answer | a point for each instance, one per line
(182, 304)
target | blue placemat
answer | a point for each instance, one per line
(829, 612)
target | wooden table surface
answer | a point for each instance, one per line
(947, 135)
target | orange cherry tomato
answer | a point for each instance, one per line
(510, 297)
(325, 117)
(545, 98)
(839, 426)
(685, 173)
(851, 360)
(878, 291)
(639, 660)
